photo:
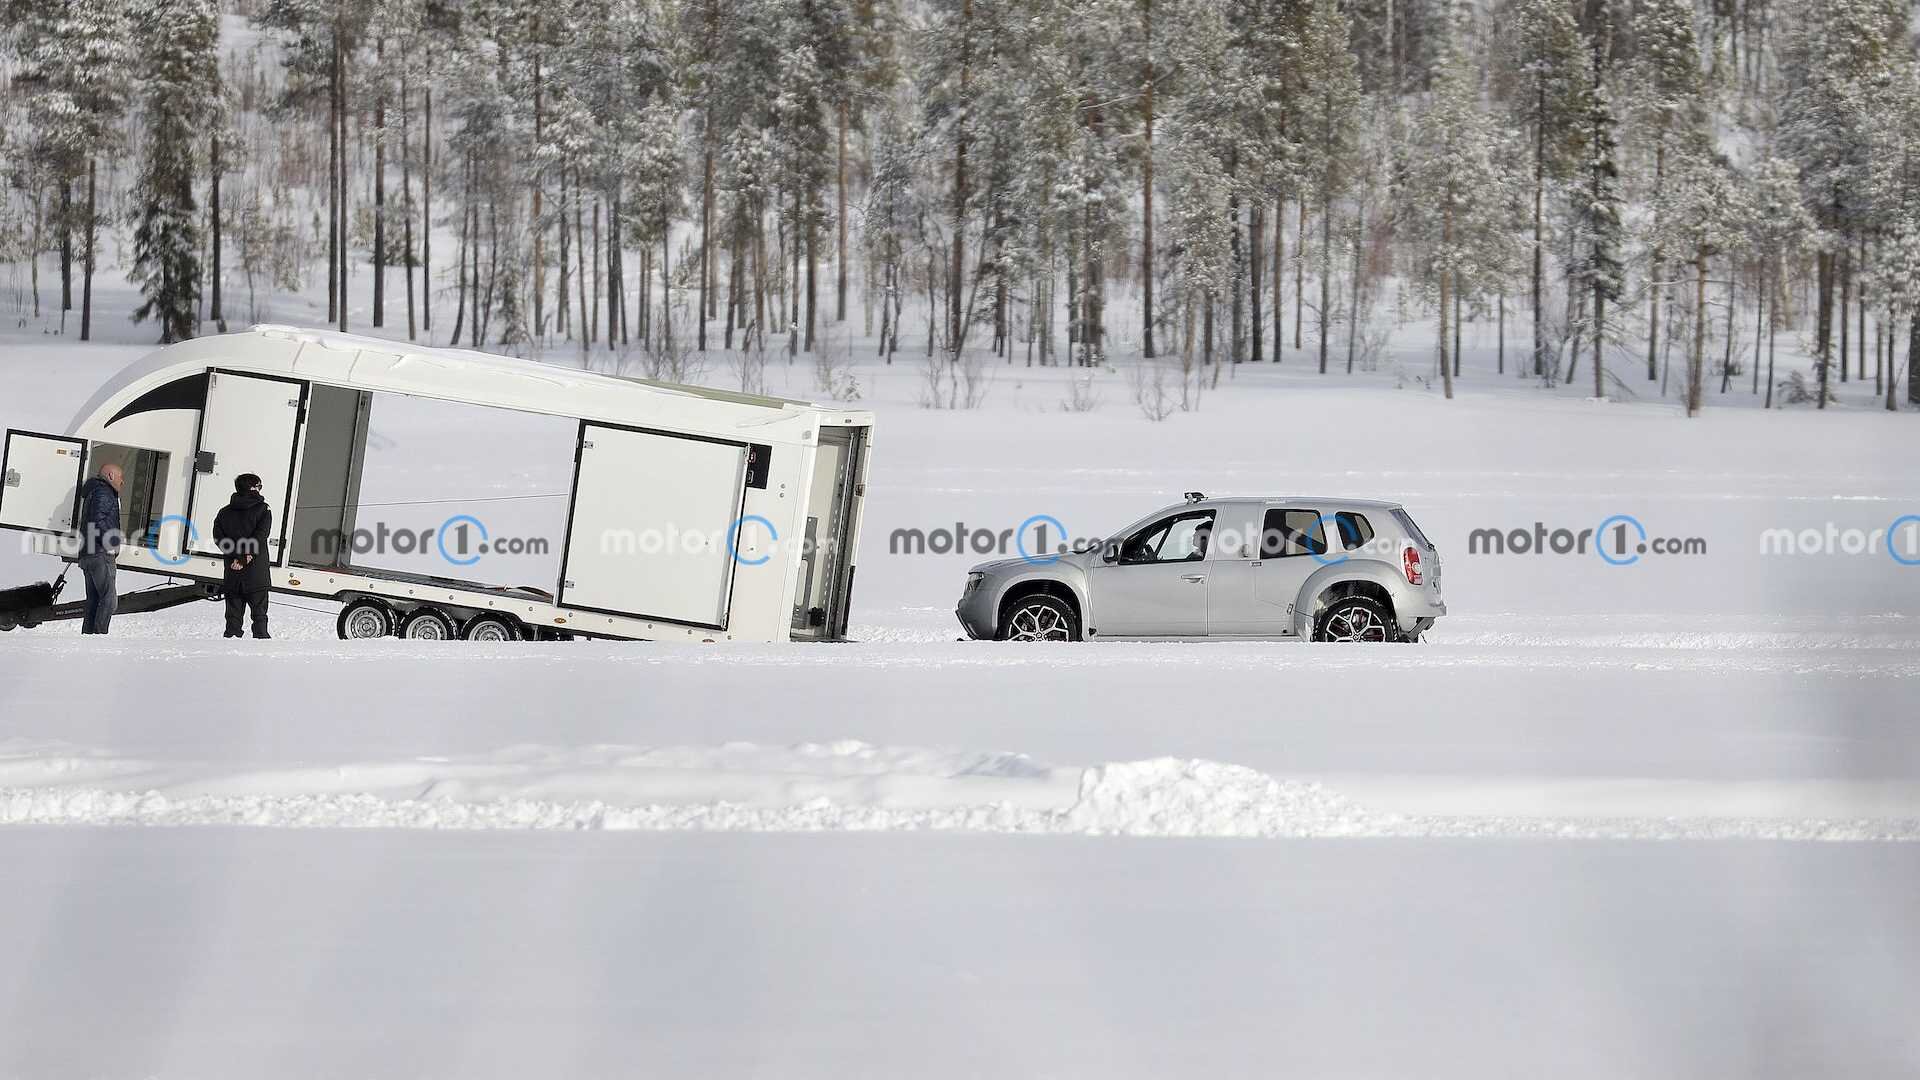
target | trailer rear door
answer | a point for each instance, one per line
(41, 489)
(652, 515)
(251, 424)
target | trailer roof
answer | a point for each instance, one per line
(463, 375)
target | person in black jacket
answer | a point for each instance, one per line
(100, 547)
(241, 531)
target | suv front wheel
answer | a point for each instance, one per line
(1039, 617)
(1356, 618)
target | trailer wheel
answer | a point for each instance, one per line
(365, 618)
(492, 628)
(427, 624)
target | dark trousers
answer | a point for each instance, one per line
(239, 603)
(103, 595)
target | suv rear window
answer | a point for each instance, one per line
(1355, 530)
(1406, 522)
(1292, 532)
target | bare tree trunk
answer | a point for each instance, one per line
(460, 264)
(537, 220)
(1824, 333)
(960, 174)
(1773, 289)
(93, 228)
(334, 163)
(706, 246)
(840, 269)
(66, 250)
(1446, 300)
(1539, 242)
(215, 311)
(1256, 230)
(1353, 300)
(346, 234)
(1237, 308)
(813, 266)
(1146, 195)
(1457, 321)
(1656, 289)
(1299, 274)
(406, 201)
(1326, 267)
(562, 304)
(380, 191)
(1697, 362)
(614, 299)
(1862, 335)
(1913, 362)
(1846, 299)
(1726, 361)
(589, 322)
(426, 217)
(1279, 272)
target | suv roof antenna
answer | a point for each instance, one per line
(1195, 496)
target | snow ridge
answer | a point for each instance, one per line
(840, 787)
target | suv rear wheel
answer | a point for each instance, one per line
(1356, 618)
(1039, 617)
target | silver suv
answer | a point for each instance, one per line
(1244, 568)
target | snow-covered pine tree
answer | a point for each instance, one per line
(1666, 92)
(1837, 56)
(655, 190)
(1778, 229)
(1331, 114)
(1545, 77)
(77, 60)
(1454, 192)
(179, 77)
(1703, 213)
(1597, 201)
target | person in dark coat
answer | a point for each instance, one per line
(100, 547)
(241, 531)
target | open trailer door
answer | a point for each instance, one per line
(652, 516)
(251, 424)
(40, 489)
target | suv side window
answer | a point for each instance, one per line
(1181, 538)
(1355, 530)
(1286, 533)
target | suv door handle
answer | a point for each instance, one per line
(1195, 578)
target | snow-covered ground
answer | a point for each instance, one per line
(1256, 859)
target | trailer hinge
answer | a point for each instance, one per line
(203, 461)
(294, 404)
(13, 478)
(586, 444)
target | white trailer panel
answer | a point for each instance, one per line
(652, 516)
(40, 478)
(250, 424)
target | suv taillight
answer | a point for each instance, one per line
(1410, 559)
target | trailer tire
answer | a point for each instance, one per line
(427, 624)
(364, 618)
(492, 628)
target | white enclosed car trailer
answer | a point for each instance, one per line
(776, 487)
